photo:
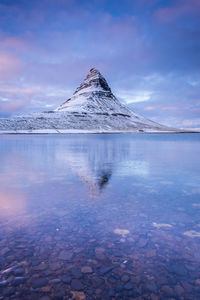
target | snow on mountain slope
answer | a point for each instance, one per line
(92, 108)
(95, 96)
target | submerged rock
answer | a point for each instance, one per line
(128, 286)
(4, 283)
(161, 225)
(78, 295)
(65, 255)
(122, 232)
(86, 269)
(66, 279)
(19, 280)
(40, 282)
(100, 253)
(76, 285)
(105, 270)
(76, 272)
(19, 271)
(142, 242)
(192, 233)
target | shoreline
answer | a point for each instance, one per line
(78, 131)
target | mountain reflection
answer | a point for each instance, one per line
(93, 161)
(31, 162)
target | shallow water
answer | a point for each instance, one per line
(100, 216)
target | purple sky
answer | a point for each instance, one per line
(148, 50)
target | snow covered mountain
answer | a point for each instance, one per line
(92, 108)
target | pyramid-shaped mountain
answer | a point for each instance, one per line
(93, 96)
(92, 108)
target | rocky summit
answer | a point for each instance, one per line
(92, 108)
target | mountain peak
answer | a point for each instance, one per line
(94, 82)
(93, 95)
(94, 71)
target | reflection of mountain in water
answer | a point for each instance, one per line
(104, 179)
(93, 160)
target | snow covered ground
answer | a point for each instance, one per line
(76, 122)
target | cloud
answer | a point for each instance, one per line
(10, 65)
(178, 9)
(133, 96)
(149, 53)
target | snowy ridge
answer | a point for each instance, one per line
(93, 95)
(92, 108)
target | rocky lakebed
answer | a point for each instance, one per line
(99, 217)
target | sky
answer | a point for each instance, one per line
(148, 50)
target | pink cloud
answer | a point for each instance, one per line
(169, 108)
(10, 65)
(11, 106)
(159, 108)
(8, 42)
(179, 9)
(149, 108)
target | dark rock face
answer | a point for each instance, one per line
(94, 84)
(94, 78)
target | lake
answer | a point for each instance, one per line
(100, 216)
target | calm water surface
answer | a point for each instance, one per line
(100, 216)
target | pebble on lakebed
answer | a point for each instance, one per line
(78, 295)
(161, 225)
(192, 233)
(86, 269)
(122, 232)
